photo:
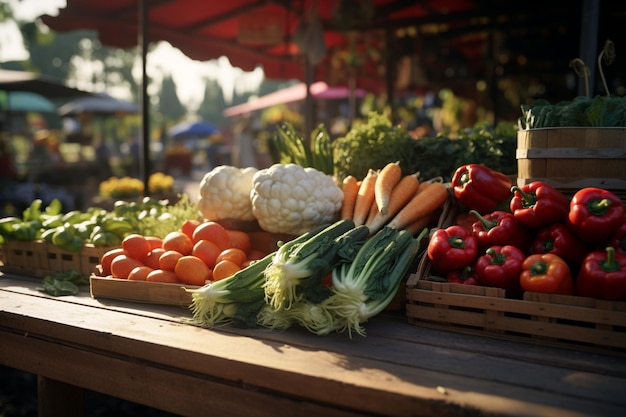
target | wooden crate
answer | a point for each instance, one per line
(60, 260)
(40, 258)
(542, 318)
(90, 257)
(172, 294)
(25, 257)
(140, 291)
(573, 158)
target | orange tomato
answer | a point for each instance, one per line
(168, 259)
(139, 273)
(154, 242)
(189, 226)
(107, 257)
(152, 260)
(178, 241)
(160, 275)
(192, 270)
(255, 255)
(235, 255)
(214, 232)
(121, 266)
(136, 246)
(224, 269)
(239, 240)
(207, 251)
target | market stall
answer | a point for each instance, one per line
(148, 354)
(388, 292)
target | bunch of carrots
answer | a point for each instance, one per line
(386, 197)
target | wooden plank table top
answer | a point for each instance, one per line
(152, 355)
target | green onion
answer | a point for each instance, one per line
(238, 298)
(365, 287)
(297, 269)
(361, 288)
(216, 303)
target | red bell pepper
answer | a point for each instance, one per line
(594, 214)
(499, 228)
(466, 276)
(557, 239)
(618, 238)
(452, 248)
(480, 188)
(500, 267)
(538, 204)
(603, 275)
(546, 273)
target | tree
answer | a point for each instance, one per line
(79, 56)
(169, 104)
(213, 104)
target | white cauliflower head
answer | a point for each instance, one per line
(287, 198)
(225, 193)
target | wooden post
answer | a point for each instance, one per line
(309, 112)
(144, 163)
(56, 398)
(589, 41)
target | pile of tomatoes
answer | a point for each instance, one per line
(198, 253)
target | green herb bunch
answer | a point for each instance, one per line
(372, 145)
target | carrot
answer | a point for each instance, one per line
(388, 178)
(417, 226)
(350, 187)
(401, 194)
(428, 199)
(364, 198)
(372, 214)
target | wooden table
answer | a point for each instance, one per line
(151, 355)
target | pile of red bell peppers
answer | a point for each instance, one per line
(532, 238)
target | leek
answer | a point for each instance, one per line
(312, 316)
(361, 288)
(297, 268)
(237, 299)
(365, 287)
(218, 302)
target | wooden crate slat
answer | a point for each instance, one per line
(140, 291)
(541, 317)
(25, 257)
(90, 257)
(60, 260)
(588, 313)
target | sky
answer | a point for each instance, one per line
(188, 75)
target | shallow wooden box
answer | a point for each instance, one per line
(173, 294)
(573, 158)
(140, 291)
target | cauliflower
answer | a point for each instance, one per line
(287, 198)
(225, 193)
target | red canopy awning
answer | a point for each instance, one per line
(261, 32)
(319, 90)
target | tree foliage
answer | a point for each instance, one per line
(169, 104)
(213, 104)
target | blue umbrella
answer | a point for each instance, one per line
(100, 103)
(190, 130)
(25, 101)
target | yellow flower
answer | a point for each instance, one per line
(160, 183)
(121, 187)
